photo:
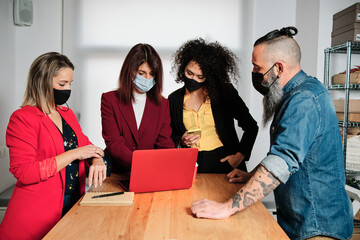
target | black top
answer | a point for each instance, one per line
(228, 107)
(72, 170)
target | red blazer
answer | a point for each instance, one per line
(36, 203)
(120, 131)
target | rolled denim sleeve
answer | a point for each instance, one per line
(292, 133)
(277, 166)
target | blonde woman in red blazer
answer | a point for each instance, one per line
(136, 115)
(37, 154)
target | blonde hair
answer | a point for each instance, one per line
(39, 89)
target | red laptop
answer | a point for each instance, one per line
(161, 170)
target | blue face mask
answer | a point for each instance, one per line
(143, 84)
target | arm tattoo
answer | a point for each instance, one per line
(236, 199)
(248, 200)
(274, 179)
(262, 170)
(267, 188)
(253, 193)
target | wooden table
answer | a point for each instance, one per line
(167, 215)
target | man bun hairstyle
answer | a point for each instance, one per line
(284, 32)
(281, 46)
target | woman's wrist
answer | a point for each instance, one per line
(182, 143)
(95, 160)
(76, 154)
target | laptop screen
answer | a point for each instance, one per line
(162, 169)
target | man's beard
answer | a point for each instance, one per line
(272, 100)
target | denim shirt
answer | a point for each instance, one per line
(306, 156)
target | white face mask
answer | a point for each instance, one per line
(143, 84)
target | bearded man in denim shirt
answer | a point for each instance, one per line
(305, 164)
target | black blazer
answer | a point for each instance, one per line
(228, 107)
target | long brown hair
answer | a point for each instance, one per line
(39, 89)
(138, 55)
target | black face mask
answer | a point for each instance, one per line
(258, 79)
(191, 84)
(61, 96)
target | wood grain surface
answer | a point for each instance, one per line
(167, 215)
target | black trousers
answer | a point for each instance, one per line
(209, 162)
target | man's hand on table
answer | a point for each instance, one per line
(211, 209)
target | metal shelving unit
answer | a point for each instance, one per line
(347, 48)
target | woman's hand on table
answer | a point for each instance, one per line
(97, 172)
(188, 139)
(238, 175)
(234, 160)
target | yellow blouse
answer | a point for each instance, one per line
(202, 119)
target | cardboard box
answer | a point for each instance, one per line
(354, 25)
(356, 234)
(349, 32)
(354, 105)
(346, 25)
(341, 78)
(351, 35)
(352, 117)
(347, 16)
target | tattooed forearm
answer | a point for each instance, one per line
(260, 185)
(248, 200)
(236, 199)
(263, 170)
(266, 188)
(275, 181)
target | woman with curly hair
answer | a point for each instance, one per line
(203, 111)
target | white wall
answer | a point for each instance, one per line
(308, 28)
(19, 46)
(8, 84)
(43, 36)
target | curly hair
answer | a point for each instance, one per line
(218, 64)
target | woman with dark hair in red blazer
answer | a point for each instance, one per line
(136, 115)
(47, 151)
